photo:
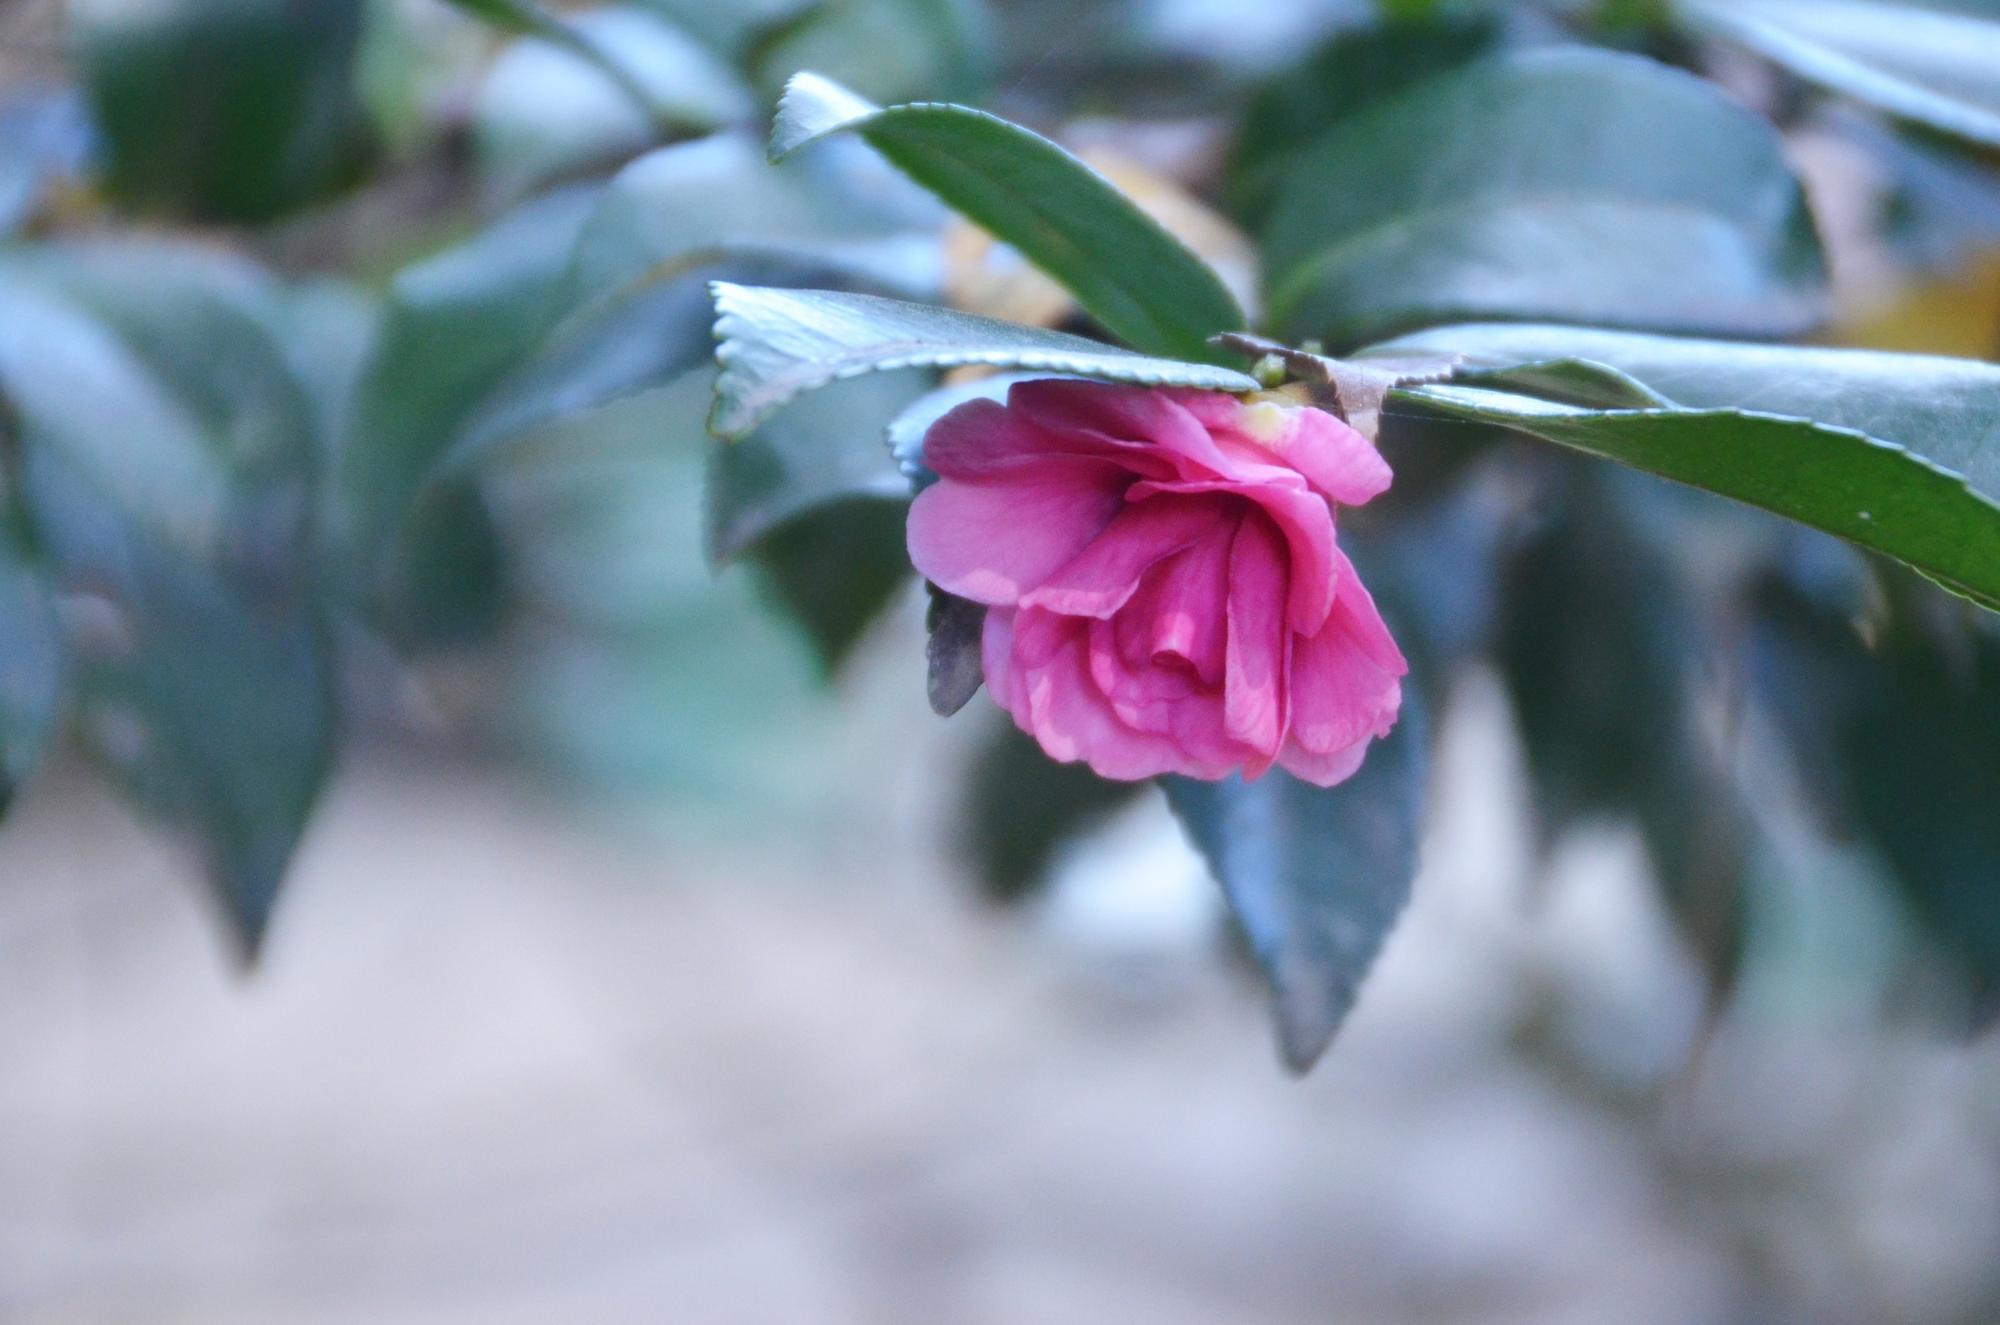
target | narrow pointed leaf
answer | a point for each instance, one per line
(1142, 284)
(1898, 453)
(1870, 492)
(1945, 409)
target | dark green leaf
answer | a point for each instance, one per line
(817, 505)
(834, 567)
(545, 111)
(828, 450)
(684, 207)
(624, 347)
(1570, 184)
(1900, 741)
(1867, 446)
(1140, 282)
(168, 464)
(454, 327)
(774, 344)
(31, 660)
(1315, 876)
(1935, 64)
(1355, 69)
(230, 110)
(1020, 808)
(1598, 646)
(889, 49)
(1869, 492)
(1947, 410)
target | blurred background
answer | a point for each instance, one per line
(645, 948)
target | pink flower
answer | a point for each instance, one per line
(1166, 594)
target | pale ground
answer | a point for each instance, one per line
(510, 1060)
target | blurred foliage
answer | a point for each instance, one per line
(223, 110)
(336, 332)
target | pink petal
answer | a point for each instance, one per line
(983, 439)
(1055, 701)
(1322, 770)
(1355, 606)
(994, 541)
(1332, 456)
(1339, 694)
(1336, 459)
(1100, 579)
(1254, 677)
(1098, 418)
(1307, 523)
(996, 646)
(1180, 611)
(1166, 701)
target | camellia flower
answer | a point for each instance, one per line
(1165, 591)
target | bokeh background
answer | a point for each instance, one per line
(651, 952)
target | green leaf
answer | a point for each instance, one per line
(774, 344)
(1570, 184)
(227, 110)
(1019, 808)
(815, 504)
(684, 207)
(1140, 282)
(1945, 409)
(1898, 739)
(1937, 65)
(31, 660)
(1315, 876)
(1896, 453)
(638, 306)
(625, 347)
(731, 28)
(567, 305)
(1867, 491)
(168, 459)
(1595, 612)
(1354, 69)
(544, 111)
(834, 567)
(828, 451)
(889, 49)
(454, 327)
(602, 50)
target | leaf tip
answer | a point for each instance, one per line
(812, 106)
(955, 670)
(1308, 1012)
